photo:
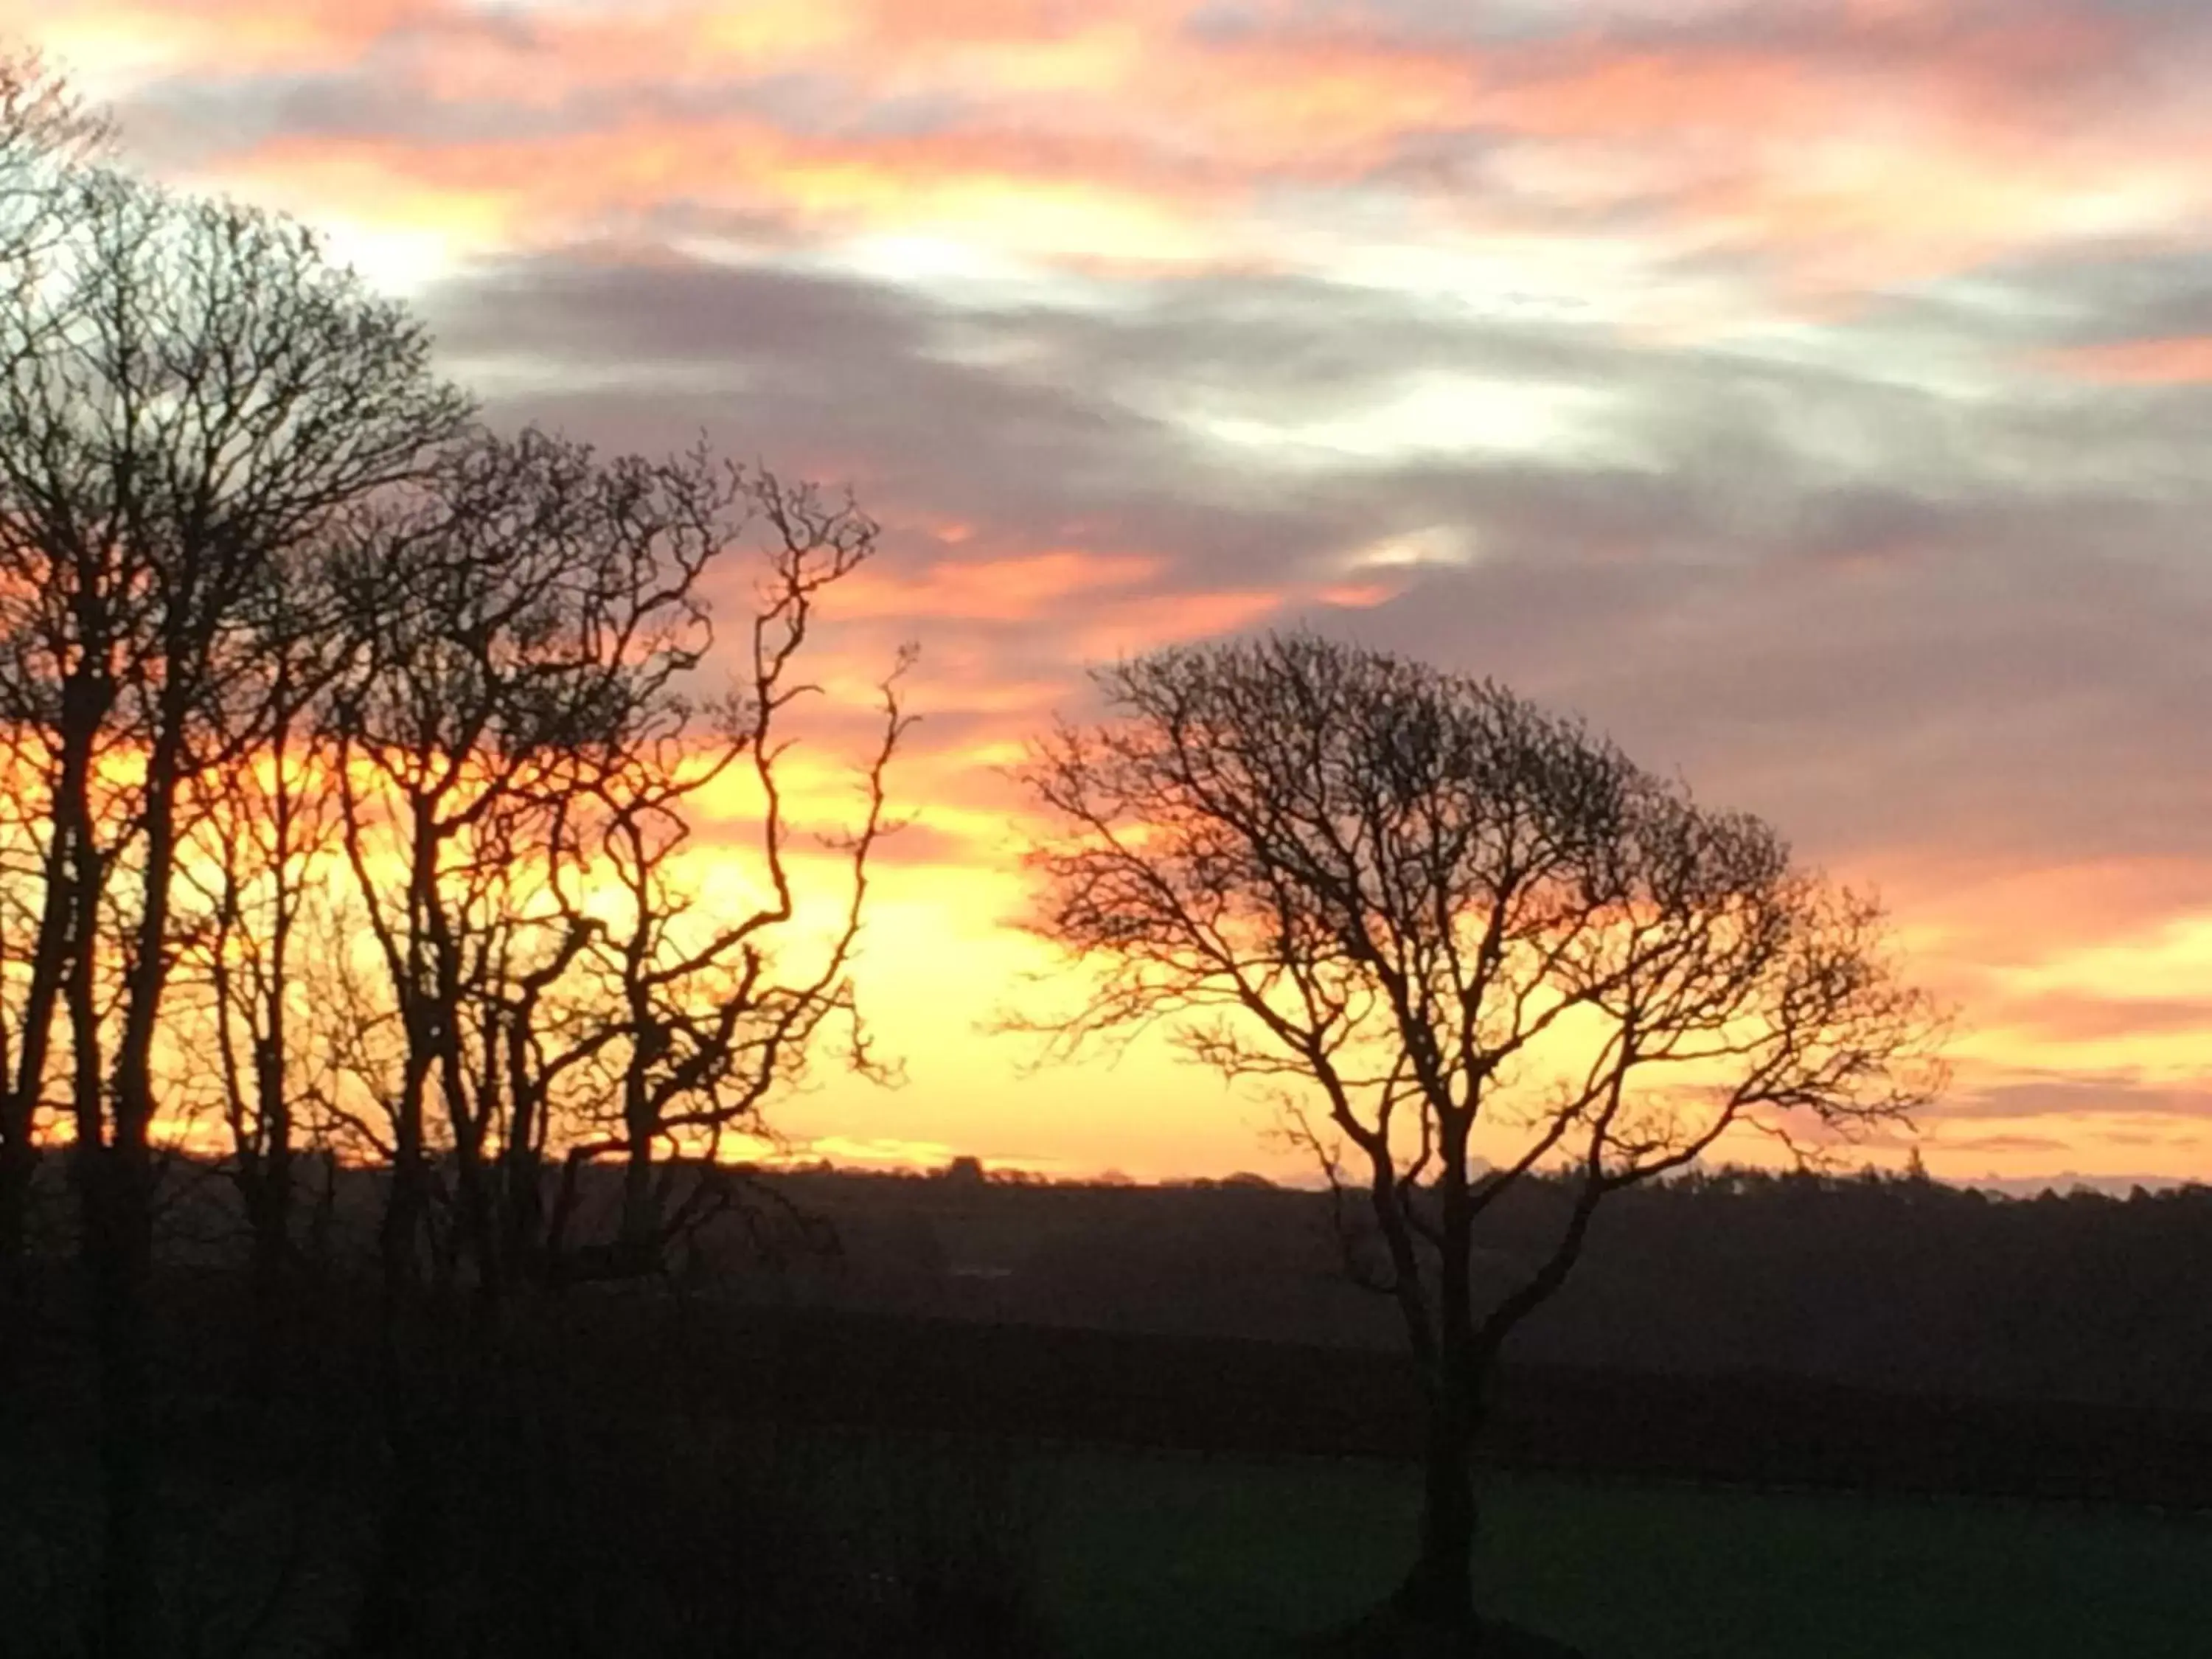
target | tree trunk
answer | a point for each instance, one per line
(268, 1213)
(59, 928)
(120, 1242)
(400, 1234)
(268, 1198)
(19, 1166)
(19, 1092)
(272, 1213)
(271, 1205)
(1439, 1593)
(638, 1244)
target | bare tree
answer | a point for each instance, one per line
(517, 754)
(513, 611)
(257, 866)
(48, 135)
(187, 390)
(47, 139)
(518, 750)
(1450, 927)
(689, 1014)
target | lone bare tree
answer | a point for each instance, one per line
(1469, 944)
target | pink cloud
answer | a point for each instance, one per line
(240, 36)
(1173, 619)
(1026, 588)
(2186, 360)
(1887, 143)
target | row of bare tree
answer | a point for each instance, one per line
(354, 754)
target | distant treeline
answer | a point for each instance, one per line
(1888, 1283)
(1893, 1284)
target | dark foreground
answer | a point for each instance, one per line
(619, 1473)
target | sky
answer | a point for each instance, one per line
(1815, 394)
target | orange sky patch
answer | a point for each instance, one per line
(1173, 619)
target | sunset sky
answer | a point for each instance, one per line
(1817, 394)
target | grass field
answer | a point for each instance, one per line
(1166, 1557)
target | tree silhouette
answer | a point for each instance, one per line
(516, 752)
(48, 141)
(189, 393)
(1420, 908)
(690, 1012)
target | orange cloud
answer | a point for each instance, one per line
(1358, 596)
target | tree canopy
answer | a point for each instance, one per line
(1463, 939)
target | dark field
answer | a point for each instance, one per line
(1170, 1558)
(645, 1474)
(1094, 1450)
(1058, 1383)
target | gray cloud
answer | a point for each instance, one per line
(1889, 615)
